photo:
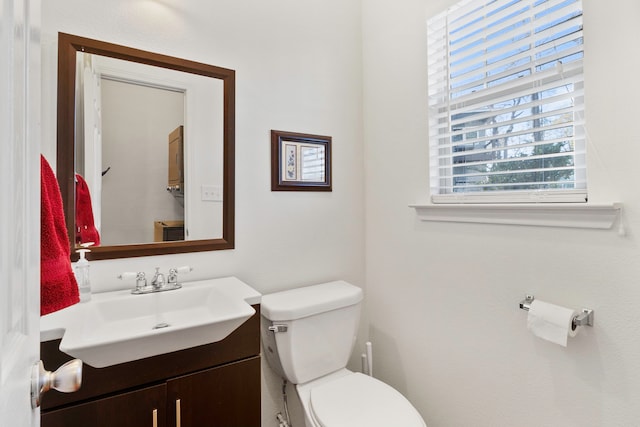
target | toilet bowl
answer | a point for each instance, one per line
(308, 334)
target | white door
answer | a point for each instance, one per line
(19, 208)
(92, 100)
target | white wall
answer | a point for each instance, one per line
(298, 68)
(443, 298)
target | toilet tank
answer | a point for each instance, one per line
(321, 324)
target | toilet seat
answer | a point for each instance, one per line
(358, 400)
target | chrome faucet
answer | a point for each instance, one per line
(158, 279)
(158, 283)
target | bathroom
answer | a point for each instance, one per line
(441, 299)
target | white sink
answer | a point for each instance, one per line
(117, 327)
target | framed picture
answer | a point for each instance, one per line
(300, 162)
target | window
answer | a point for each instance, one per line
(506, 118)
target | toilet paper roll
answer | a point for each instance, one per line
(551, 322)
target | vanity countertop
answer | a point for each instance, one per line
(54, 325)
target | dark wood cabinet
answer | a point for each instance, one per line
(220, 396)
(215, 385)
(176, 158)
(144, 407)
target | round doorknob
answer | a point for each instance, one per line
(66, 379)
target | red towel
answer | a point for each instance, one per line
(58, 286)
(86, 230)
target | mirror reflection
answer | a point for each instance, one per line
(131, 141)
(137, 123)
(150, 139)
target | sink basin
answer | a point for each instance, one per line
(118, 327)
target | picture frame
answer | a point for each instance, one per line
(300, 162)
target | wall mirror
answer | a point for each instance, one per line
(151, 137)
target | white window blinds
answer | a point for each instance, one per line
(506, 102)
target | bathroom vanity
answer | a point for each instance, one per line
(215, 384)
(188, 356)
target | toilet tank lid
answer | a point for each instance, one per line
(309, 300)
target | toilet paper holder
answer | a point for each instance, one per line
(583, 319)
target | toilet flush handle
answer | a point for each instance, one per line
(278, 328)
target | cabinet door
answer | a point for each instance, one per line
(140, 408)
(176, 162)
(226, 396)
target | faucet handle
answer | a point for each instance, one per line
(127, 275)
(184, 269)
(173, 274)
(172, 279)
(141, 280)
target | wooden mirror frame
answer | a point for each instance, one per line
(68, 45)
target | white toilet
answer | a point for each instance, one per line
(308, 335)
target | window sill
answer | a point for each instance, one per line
(542, 214)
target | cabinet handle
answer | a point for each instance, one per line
(155, 418)
(178, 413)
